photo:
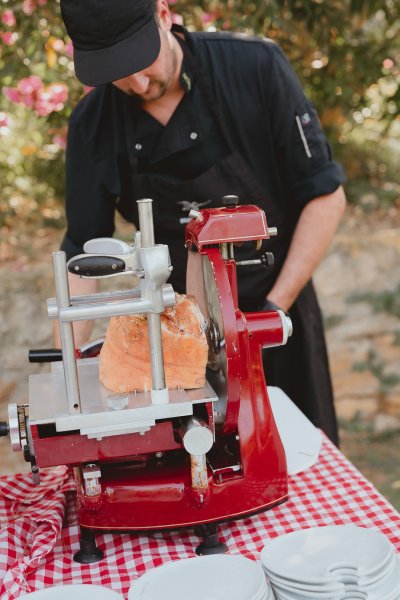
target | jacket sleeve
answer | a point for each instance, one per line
(306, 155)
(92, 176)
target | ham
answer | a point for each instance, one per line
(125, 355)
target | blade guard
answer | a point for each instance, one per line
(224, 225)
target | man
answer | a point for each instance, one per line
(185, 119)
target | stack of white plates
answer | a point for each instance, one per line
(80, 591)
(215, 577)
(341, 562)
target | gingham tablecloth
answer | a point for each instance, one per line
(39, 531)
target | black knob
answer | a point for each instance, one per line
(267, 259)
(230, 201)
(4, 429)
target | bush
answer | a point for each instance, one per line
(345, 52)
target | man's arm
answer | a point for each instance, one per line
(312, 236)
(82, 329)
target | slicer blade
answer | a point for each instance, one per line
(214, 319)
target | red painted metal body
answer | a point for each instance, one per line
(224, 225)
(146, 479)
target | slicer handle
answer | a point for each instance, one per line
(96, 265)
(45, 355)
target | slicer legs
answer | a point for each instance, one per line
(88, 551)
(211, 543)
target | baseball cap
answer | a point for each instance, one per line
(111, 38)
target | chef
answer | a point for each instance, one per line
(186, 118)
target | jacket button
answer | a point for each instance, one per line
(193, 135)
(138, 146)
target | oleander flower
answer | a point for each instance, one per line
(33, 94)
(8, 18)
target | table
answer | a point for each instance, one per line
(39, 532)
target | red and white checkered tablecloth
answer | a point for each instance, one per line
(39, 532)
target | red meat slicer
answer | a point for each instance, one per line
(166, 458)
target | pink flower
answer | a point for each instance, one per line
(27, 101)
(29, 6)
(43, 105)
(58, 93)
(32, 93)
(12, 94)
(207, 17)
(9, 37)
(8, 18)
(51, 99)
(29, 85)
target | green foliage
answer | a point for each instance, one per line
(339, 48)
(32, 131)
(331, 321)
(345, 52)
(378, 369)
(387, 301)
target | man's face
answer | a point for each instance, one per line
(154, 81)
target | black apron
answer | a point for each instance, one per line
(300, 368)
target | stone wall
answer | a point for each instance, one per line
(359, 289)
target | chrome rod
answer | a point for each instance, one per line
(66, 334)
(113, 309)
(156, 357)
(103, 297)
(146, 226)
(145, 208)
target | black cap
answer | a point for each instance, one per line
(111, 38)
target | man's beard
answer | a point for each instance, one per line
(157, 88)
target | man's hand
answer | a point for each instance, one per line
(313, 234)
(82, 329)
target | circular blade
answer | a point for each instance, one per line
(208, 280)
(214, 319)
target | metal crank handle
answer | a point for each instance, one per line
(266, 260)
(95, 265)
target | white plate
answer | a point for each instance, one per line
(386, 587)
(333, 587)
(78, 591)
(282, 594)
(317, 593)
(215, 577)
(301, 440)
(306, 555)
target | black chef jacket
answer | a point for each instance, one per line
(271, 123)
